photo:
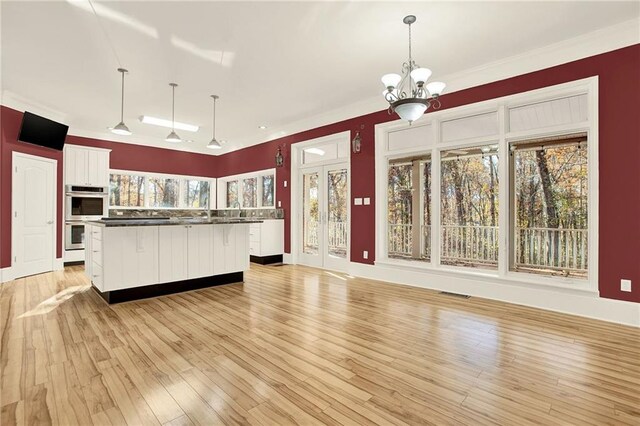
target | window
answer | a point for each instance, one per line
(126, 190)
(140, 190)
(409, 210)
(250, 193)
(232, 194)
(549, 195)
(196, 194)
(163, 192)
(267, 191)
(469, 207)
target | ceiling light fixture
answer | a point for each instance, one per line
(121, 128)
(262, 127)
(173, 136)
(409, 95)
(214, 144)
(168, 123)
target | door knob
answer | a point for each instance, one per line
(49, 222)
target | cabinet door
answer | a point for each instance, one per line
(219, 264)
(98, 168)
(75, 165)
(88, 258)
(200, 252)
(172, 253)
(272, 241)
(130, 256)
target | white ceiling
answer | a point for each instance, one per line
(271, 63)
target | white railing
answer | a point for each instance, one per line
(552, 248)
(401, 240)
(539, 248)
(337, 238)
(469, 243)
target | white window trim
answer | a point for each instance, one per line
(222, 189)
(181, 178)
(587, 86)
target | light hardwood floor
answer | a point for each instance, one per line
(302, 345)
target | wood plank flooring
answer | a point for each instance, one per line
(296, 345)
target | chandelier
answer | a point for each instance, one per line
(409, 95)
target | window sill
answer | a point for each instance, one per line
(584, 287)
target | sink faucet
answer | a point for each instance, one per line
(236, 205)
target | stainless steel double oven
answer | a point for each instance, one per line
(82, 203)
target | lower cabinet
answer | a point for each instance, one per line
(129, 256)
(134, 256)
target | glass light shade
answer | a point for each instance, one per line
(391, 80)
(214, 144)
(436, 88)
(411, 111)
(121, 129)
(421, 75)
(173, 137)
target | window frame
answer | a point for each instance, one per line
(182, 186)
(434, 146)
(258, 175)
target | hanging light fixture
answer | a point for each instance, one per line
(214, 144)
(408, 94)
(121, 128)
(279, 157)
(173, 136)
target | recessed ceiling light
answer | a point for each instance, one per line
(167, 123)
(262, 127)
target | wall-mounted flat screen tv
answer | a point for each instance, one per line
(42, 131)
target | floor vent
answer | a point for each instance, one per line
(461, 296)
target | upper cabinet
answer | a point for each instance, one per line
(86, 166)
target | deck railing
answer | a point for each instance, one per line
(338, 234)
(541, 248)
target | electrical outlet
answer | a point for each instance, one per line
(285, 183)
(365, 254)
(625, 285)
(367, 201)
(279, 204)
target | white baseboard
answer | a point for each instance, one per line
(74, 255)
(58, 264)
(287, 258)
(7, 274)
(584, 305)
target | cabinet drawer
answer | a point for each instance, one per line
(96, 255)
(254, 247)
(254, 227)
(96, 276)
(96, 233)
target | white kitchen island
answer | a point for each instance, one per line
(133, 259)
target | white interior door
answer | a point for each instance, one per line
(324, 216)
(33, 222)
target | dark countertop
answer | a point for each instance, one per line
(111, 222)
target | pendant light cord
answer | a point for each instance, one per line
(214, 118)
(122, 100)
(173, 108)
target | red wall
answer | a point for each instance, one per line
(123, 156)
(619, 157)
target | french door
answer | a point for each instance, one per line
(324, 216)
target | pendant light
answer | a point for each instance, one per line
(214, 144)
(409, 95)
(173, 136)
(121, 128)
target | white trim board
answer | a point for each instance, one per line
(584, 305)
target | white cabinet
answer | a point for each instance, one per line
(230, 248)
(129, 257)
(266, 238)
(200, 258)
(85, 166)
(173, 252)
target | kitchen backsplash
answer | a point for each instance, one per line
(261, 213)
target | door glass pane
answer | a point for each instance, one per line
(469, 207)
(310, 213)
(400, 196)
(267, 191)
(337, 212)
